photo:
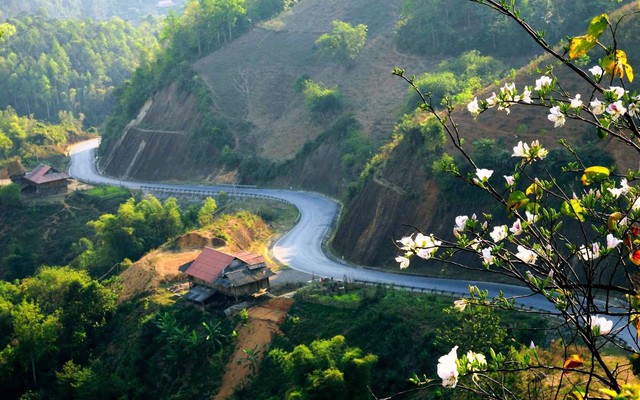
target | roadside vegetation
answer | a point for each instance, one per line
(394, 333)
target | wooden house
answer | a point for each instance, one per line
(235, 275)
(44, 180)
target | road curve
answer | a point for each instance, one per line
(301, 248)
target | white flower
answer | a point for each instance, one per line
(407, 243)
(428, 248)
(493, 100)
(448, 368)
(623, 189)
(526, 95)
(421, 240)
(473, 107)
(633, 110)
(543, 83)
(589, 253)
(510, 179)
(476, 361)
(498, 233)
(600, 325)
(635, 206)
(597, 107)
(483, 174)
(596, 71)
(532, 345)
(531, 218)
(617, 91)
(404, 261)
(487, 258)
(556, 116)
(516, 228)
(526, 256)
(521, 150)
(576, 102)
(612, 241)
(616, 109)
(530, 153)
(461, 221)
(460, 304)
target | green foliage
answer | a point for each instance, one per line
(45, 320)
(450, 28)
(50, 66)
(136, 228)
(80, 9)
(31, 140)
(321, 101)
(479, 328)
(207, 211)
(326, 370)
(457, 79)
(344, 42)
(399, 327)
(10, 196)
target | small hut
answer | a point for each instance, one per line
(45, 180)
(235, 275)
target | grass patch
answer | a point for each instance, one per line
(107, 192)
(280, 217)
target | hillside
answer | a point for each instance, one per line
(404, 193)
(251, 85)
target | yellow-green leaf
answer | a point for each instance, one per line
(598, 25)
(573, 209)
(516, 200)
(534, 189)
(580, 45)
(616, 64)
(594, 174)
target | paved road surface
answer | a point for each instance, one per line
(301, 248)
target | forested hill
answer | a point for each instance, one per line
(268, 106)
(237, 100)
(130, 10)
(48, 66)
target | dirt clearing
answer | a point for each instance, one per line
(255, 336)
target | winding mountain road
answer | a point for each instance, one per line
(301, 248)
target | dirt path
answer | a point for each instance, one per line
(255, 335)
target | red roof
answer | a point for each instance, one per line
(209, 264)
(44, 173)
(249, 258)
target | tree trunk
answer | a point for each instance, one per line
(33, 370)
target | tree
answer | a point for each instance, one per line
(344, 42)
(35, 334)
(207, 212)
(326, 369)
(578, 249)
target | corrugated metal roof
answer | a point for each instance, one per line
(199, 293)
(44, 173)
(244, 276)
(209, 265)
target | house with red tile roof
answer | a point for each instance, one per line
(44, 180)
(239, 274)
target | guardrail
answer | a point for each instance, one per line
(212, 192)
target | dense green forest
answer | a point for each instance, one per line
(451, 27)
(48, 66)
(134, 11)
